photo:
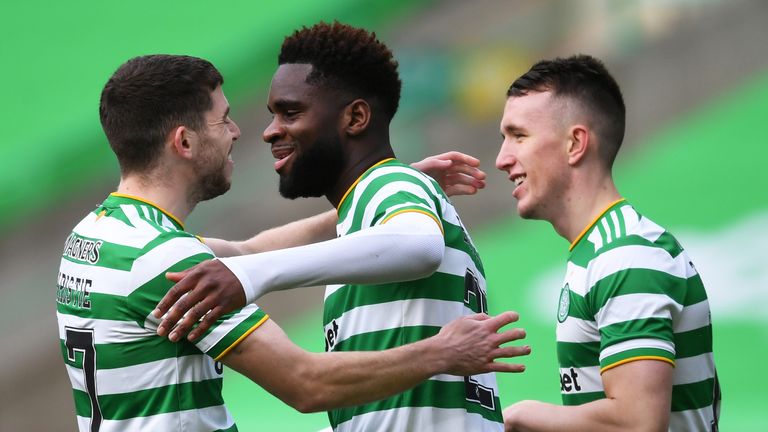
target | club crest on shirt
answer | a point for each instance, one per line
(564, 304)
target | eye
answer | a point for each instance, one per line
(291, 114)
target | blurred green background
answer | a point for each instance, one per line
(695, 80)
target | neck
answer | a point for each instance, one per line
(356, 166)
(583, 205)
(165, 194)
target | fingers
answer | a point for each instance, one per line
(510, 336)
(191, 318)
(173, 294)
(460, 158)
(506, 367)
(176, 276)
(502, 319)
(478, 317)
(181, 303)
(208, 320)
(511, 351)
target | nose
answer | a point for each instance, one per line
(505, 159)
(273, 131)
(235, 131)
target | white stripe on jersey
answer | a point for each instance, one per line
(608, 237)
(395, 314)
(105, 280)
(630, 307)
(486, 379)
(637, 343)
(455, 262)
(389, 190)
(344, 226)
(191, 368)
(104, 331)
(577, 330)
(330, 289)
(588, 379)
(426, 419)
(692, 420)
(199, 420)
(114, 231)
(693, 317)
(637, 257)
(644, 227)
(693, 369)
(222, 329)
(161, 257)
(616, 224)
(141, 224)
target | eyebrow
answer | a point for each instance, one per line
(512, 129)
(283, 104)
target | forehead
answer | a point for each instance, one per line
(534, 106)
(290, 82)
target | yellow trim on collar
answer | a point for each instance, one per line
(167, 213)
(594, 221)
(241, 338)
(358, 181)
(631, 359)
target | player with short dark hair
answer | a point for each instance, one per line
(634, 333)
(112, 274)
(403, 264)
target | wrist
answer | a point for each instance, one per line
(435, 358)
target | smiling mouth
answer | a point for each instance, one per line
(282, 154)
(518, 180)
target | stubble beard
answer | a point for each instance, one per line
(314, 171)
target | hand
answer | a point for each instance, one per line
(511, 416)
(211, 289)
(473, 343)
(456, 172)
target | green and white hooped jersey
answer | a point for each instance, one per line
(632, 293)
(377, 317)
(124, 377)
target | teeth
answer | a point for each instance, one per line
(519, 180)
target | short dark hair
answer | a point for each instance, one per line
(347, 58)
(150, 95)
(586, 80)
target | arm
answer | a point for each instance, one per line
(313, 229)
(409, 246)
(638, 398)
(457, 174)
(321, 381)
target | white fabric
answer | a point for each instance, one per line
(409, 246)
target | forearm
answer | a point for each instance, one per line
(408, 247)
(347, 379)
(535, 416)
(313, 229)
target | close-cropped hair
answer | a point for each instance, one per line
(147, 97)
(585, 80)
(346, 58)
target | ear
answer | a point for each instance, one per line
(356, 117)
(579, 141)
(180, 142)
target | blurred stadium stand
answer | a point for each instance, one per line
(677, 62)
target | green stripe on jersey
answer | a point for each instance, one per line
(633, 300)
(432, 393)
(158, 400)
(439, 286)
(375, 196)
(385, 339)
